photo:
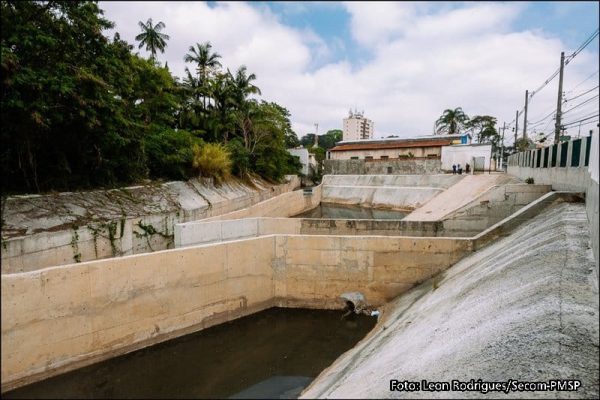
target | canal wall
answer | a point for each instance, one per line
(414, 166)
(488, 209)
(46, 230)
(60, 318)
(523, 308)
(571, 165)
(400, 192)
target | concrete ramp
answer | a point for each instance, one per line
(457, 196)
(523, 308)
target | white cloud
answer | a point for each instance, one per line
(423, 58)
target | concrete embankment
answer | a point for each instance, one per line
(522, 308)
(458, 196)
(60, 318)
(402, 192)
(56, 229)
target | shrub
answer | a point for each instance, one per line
(169, 153)
(212, 160)
(529, 181)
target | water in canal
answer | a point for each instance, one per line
(275, 353)
(337, 211)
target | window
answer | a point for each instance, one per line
(389, 170)
(384, 157)
(354, 158)
(368, 157)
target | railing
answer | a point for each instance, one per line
(572, 154)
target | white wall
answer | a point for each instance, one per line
(303, 155)
(593, 167)
(463, 154)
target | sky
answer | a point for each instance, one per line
(402, 63)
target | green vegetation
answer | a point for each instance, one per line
(212, 160)
(80, 110)
(482, 127)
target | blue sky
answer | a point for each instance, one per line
(402, 63)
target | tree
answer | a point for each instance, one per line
(207, 63)
(451, 121)
(484, 128)
(152, 38)
(328, 140)
(243, 86)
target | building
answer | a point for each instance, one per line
(357, 127)
(395, 148)
(306, 159)
(478, 156)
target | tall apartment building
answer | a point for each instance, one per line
(357, 127)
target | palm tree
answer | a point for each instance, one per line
(152, 38)
(243, 86)
(451, 121)
(206, 60)
(201, 55)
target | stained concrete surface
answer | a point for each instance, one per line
(457, 196)
(525, 308)
(271, 354)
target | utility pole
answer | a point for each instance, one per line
(559, 102)
(525, 116)
(516, 129)
(502, 147)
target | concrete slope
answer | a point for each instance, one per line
(457, 196)
(524, 308)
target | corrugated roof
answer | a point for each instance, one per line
(400, 144)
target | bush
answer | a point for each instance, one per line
(169, 153)
(240, 157)
(529, 181)
(212, 160)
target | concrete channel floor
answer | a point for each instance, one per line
(524, 308)
(457, 196)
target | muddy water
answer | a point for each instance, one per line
(338, 211)
(272, 354)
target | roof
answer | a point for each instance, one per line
(396, 143)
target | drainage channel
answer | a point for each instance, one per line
(275, 353)
(330, 210)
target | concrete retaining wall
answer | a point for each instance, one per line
(374, 167)
(66, 237)
(401, 192)
(60, 318)
(285, 205)
(436, 181)
(574, 170)
(492, 206)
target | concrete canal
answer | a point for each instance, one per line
(271, 354)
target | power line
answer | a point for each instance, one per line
(573, 98)
(583, 81)
(581, 120)
(567, 60)
(580, 104)
(583, 46)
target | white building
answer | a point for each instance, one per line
(478, 156)
(306, 159)
(357, 127)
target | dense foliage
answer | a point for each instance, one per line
(80, 110)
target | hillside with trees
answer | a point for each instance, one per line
(80, 110)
